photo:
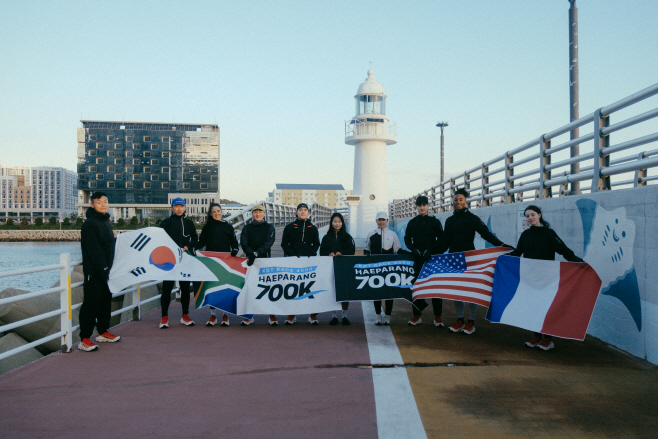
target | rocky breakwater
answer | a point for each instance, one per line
(17, 311)
(42, 235)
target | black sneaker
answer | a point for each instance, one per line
(333, 321)
(345, 321)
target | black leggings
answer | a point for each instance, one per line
(388, 304)
(437, 304)
(165, 297)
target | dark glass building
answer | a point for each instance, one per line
(140, 163)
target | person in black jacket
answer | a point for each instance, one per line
(301, 238)
(337, 242)
(256, 241)
(541, 242)
(183, 232)
(458, 236)
(421, 238)
(216, 236)
(97, 243)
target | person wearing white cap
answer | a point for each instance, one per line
(382, 241)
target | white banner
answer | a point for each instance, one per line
(150, 254)
(286, 286)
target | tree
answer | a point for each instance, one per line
(147, 222)
(73, 216)
(121, 222)
(39, 221)
(10, 222)
(66, 222)
(79, 221)
(24, 221)
(52, 221)
(158, 221)
(134, 221)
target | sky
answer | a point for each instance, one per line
(279, 78)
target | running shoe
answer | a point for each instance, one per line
(212, 321)
(186, 320)
(225, 321)
(534, 342)
(87, 345)
(333, 321)
(164, 322)
(415, 320)
(546, 344)
(272, 321)
(457, 327)
(246, 322)
(378, 320)
(469, 328)
(345, 322)
(438, 322)
(106, 337)
(313, 320)
(387, 320)
(291, 320)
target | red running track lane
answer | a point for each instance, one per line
(187, 382)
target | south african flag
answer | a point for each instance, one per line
(223, 292)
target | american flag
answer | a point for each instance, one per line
(464, 276)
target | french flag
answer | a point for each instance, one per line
(551, 297)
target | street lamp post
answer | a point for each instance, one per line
(442, 125)
(573, 88)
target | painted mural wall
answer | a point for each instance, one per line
(615, 232)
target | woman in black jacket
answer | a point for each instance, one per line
(541, 242)
(217, 236)
(337, 242)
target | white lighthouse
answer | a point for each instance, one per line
(370, 131)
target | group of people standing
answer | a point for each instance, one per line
(424, 237)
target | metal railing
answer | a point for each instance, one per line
(378, 130)
(66, 308)
(279, 215)
(532, 170)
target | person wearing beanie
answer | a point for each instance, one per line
(183, 232)
(382, 241)
(301, 238)
(216, 236)
(422, 238)
(256, 241)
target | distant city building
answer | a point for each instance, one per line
(329, 195)
(37, 192)
(14, 170)
(139, 164)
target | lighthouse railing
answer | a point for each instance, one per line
(539, 169)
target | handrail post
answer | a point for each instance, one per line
(544, 175)
(485, 190)
(65, 302)
(509, 173)
(599, 182)
(137, 312)
(640, 173)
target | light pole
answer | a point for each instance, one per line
(573, 88)
(442, 125)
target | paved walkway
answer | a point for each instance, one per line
(315, 382)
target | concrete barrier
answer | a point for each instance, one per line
(615, 232)
(12, 341)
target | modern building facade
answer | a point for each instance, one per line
(330, 195)
(38, 192)
(140, 163)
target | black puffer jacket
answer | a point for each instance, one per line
(218, 236)
(97, 243)
(300, 238)
(334, 242)
(423, 233)
(257, 237)
(543, 243)
(460, 231)
(181, 230)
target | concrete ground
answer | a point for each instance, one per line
(315, 382)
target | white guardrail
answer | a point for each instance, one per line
(527, 172)
(277, 214)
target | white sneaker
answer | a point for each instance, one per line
(378, 320)
(387, 320)
(272, 321)
(246, 321)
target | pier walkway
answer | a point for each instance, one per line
(316, 382)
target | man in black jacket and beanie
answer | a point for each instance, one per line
(422, 239)
(301, 238)
(97, 242)
(256, 241)
(183, 232)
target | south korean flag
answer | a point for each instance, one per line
(150, 254)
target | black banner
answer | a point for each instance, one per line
(375, 277)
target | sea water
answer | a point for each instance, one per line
(23, 255)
